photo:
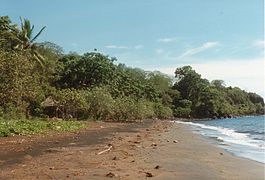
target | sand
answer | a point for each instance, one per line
(155, 150)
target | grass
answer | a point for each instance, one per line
(36, 126)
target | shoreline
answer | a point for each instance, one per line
(215, 143)
(233, 140)
(159, 149)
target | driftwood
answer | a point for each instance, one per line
(106, 150)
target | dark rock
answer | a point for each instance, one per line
(110, 174)
(157, 167)
(153, 144)
(115, 158)
(148, 174)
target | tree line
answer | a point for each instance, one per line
(40, 80)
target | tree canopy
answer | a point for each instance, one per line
(94, 86)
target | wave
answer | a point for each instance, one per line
(229, 135)
(252, 132)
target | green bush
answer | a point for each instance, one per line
(127, 109)
(146, 109)
(182, 112)
(124, 109)
(162, 112)
(72, 103)
(19, 81)
(101, 104)
(12, 112)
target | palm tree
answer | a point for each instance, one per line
(26, 39)
(19, 38)
(26, 33)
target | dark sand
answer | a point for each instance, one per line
(161, 150)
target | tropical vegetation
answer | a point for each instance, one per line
(40, 80)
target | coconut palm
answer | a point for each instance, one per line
(26, 33)
(15, 38)
(26, 39)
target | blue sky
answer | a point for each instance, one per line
(221, 39)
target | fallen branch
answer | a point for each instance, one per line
(106, 150)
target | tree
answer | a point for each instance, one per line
(219, 84)
(25, 34)
(8, 33)
(52, 53)
(15, 38)
(189, 84)
(160, 81)
(19, 82)
(89, 70)
(182, 108)
(255, 98)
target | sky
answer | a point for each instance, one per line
(220, 39)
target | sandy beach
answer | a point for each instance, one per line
(156, 150)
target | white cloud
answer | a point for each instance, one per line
(246, 74)
(159, 51)
(167, 40)
(203, 47)
(259, 43)
(74, 44)
(116, 47)
(139, 46)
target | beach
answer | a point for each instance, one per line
(152, 149)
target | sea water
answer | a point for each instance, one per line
(242, 136)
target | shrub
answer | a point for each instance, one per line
(146, 109)
(72, 103)
(101, 104)
(182, 112)
(162, 112)
(19, 80)
(124, 109)
(12, 112)
(127, 109)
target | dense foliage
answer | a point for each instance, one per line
(39, 80)
(200, 98)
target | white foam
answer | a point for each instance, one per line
(229, 135)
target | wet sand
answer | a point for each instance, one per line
(156, 150)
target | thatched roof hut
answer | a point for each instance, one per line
(49, 102)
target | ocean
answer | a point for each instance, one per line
(243, 136)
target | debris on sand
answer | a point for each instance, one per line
(153, 144)
(110, 174)
(148, 174)
(106, 150)
(157, 167)
(175, 141)
(114, 158)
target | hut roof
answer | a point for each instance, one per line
(49, 102)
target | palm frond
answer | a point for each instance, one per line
(35, 37)
(28, 29)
